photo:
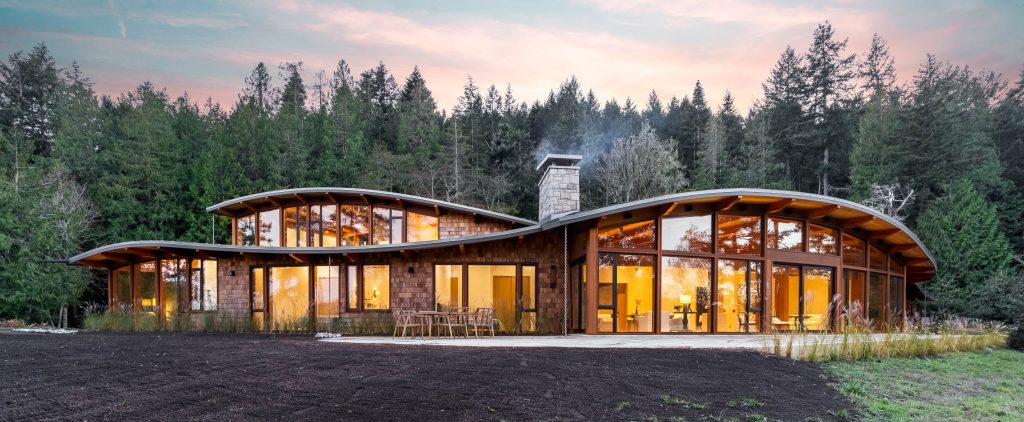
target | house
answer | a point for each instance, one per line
(718, 261)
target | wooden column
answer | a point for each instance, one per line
(590, 313)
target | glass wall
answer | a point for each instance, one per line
(739, 234)
(295, 223)
(270, 228)
(448, 287)
(352, 291)
(172, 285)
(629, 236)
(328, 225)
(528, 300)
(289, 296)
(122, 287)
(685, 294)
(816, 298)
(387, 226)
(801, 297)
(896, 297)
(687, 234)
(203, 285)
(327, 283)
(422, 227)
(785, 235)
(738, 297)
(877, 258)
(258, 299)
(245, 230)
(148, 287)
(823, 240)
(855, 294)
(876, 297)
(853, 251)
(626, 293)
(355, 225)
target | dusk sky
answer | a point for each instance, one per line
(617, 48)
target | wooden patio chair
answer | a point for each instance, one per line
(482, 318)
(407, 320)
(456, 318)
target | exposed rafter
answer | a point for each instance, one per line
(850, 223)
(671, 207)
(274, 201)
(330, 195)
(778, 206)
(112, 256)
(301, 199)
(822, 212)
(299, 257)
(727, 203)
(918, 261)
(900, 247)
(365, 199)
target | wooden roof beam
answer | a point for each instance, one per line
(900, 247)
(301, 199)
(274, 201)
(778, 206)
(822, 212)
(330, 195)
(365, 199)
(917, 261)
(669, 208)
(850, 223)
(882, 234)
(300, 258)
(114, 256)
(142, 252)
(437, 210)
(727, 203)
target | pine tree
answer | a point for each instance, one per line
(378, 92)
(880, 151)
(29, 88)
(962, 231)
(291, 127)
(877, 71)
(829, 82)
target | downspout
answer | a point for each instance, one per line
(565, 280)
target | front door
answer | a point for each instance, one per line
(800, 297)
(738, 296)
(625, 294)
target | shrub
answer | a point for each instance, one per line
(1016, 338)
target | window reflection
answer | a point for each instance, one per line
(739, 234)
(629, 236)
(422, 227)
(352, 281)
(295, 226)
(877, 258)
(146, 280)
(270, 228)
(123, 287)
(896, 292)
(327, 283)
(685, 294)
(738, 297)
(172, 284)
(786, 235)
(329, 225)
(689, 234)
(289, 295)
(821, 239)
(245, 230)
(876, 297)
(387, 226)
(853, 251)
(355, 225)
(316, 225)
(855, 288)
(895, 266)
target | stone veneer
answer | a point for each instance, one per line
(559, 191)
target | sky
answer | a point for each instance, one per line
(617, 48)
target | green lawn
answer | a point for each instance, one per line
(978, 386)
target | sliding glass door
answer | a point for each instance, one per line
(801, 295)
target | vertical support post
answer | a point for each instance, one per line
(565, 280)
(592, 280)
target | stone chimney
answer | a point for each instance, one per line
(559, 186)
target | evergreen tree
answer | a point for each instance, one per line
(877, 71)
(291, 127)
(962, 231)
(829, 75)
(378, 92)
(29, 87)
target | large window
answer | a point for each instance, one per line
(329, 225)
(801, 297)
(853, 251)
(448, 286)
(626, 294)
(327, 284)
(739, 234)
(638, 235)
(494, 286)
(785, 235)
(687, 234)
(295, 223)
(369, 287)
(528, 300)
(876, 297)
(258, 302)
(122, 287)
(685, 294)
(148, 288)
(204, 285)
(289, 296)
(270, 226)
(738, 297)
(245, 230)
(821, 239)
(387, 226)
(172, 284)
(422, 227)
(855, 289)
(896, 293)
(877, 258)
(355, 225)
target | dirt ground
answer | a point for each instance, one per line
(175, 377)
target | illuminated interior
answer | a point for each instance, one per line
(327, 283)
(422, 227)
(494, 286)
(739, 234)
(685, 294)
(790, 292)
(687, 234)
(785, 235)
(738, 297)
(355, 225)
(352, 291)
(821, 239)
(148, 288)
(626, 292)
(204, 285)
(172, 285)
(259, 288)
(376, 287)
(448, 286)
(289, 295)
(328, 226)
(528, 300)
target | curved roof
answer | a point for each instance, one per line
(301, 195)
(868, 223)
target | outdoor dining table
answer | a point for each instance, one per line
(428, 319)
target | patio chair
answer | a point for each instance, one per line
(483, 318)
(456, 318)
(407, 320)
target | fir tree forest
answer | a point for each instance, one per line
(943, 152)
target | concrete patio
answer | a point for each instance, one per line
(743, 342)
